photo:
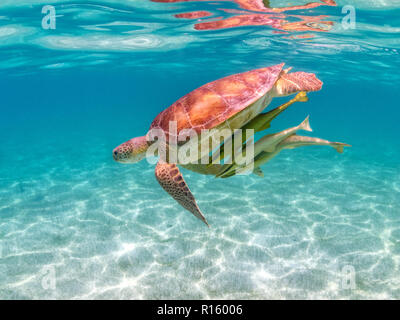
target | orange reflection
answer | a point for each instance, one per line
(193, 15)
(263, 5)
(239, 21)
(275, 17)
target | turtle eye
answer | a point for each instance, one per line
(115, 152)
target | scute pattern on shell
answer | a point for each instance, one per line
(217, 101)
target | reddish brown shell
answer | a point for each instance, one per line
(217, 101)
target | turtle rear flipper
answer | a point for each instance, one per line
(290, 83)
(171, 180)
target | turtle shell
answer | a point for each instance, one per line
(215, 102)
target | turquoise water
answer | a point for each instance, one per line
(105, 230)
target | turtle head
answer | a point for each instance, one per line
(131, 151)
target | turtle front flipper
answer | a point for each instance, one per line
(171, 180)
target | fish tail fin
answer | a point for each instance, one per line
(305, 125)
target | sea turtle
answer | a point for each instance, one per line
(228, 103)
